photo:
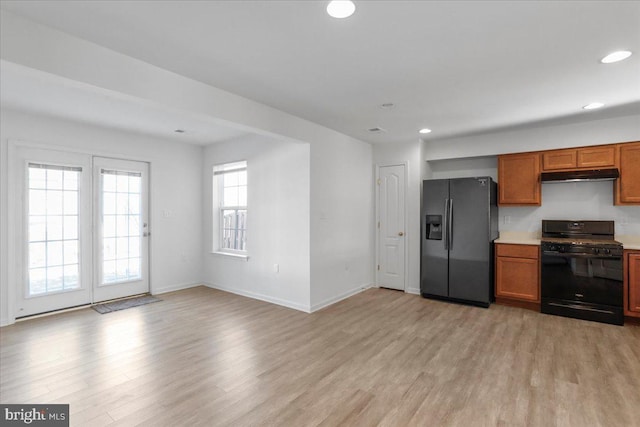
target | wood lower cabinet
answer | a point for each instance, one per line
(627, 188)
(519, 179)
(518, 272)
(632, 283)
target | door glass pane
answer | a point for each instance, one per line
(37, 228)
(121, 218)
(53, 228)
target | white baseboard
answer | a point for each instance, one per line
(414, 291)
(261, 297)
(163, 290)
(178, 287)
(345, 295)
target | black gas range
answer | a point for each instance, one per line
(581, 271)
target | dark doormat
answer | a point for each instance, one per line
(108, 307)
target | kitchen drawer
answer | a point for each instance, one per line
(517, 251)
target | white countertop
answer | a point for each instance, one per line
(519, 238)
(629, 241)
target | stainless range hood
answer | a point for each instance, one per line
(577, 176)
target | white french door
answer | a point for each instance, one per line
(53, 230)
(79, 227)
(121, 228)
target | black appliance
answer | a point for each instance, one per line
(581, 271)
(459, 224)
(581, 175)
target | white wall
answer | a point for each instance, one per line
(605, 131)
(573, 201)
(341, 220)
(411, 154)
(341, 171)
(579, 201)
(278, 222)
(464, 168)
(587, 200)
(175, 187)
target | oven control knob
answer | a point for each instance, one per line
(596, 251)
(606, 251)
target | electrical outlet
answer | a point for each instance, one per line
(276, 268)
(506, 219)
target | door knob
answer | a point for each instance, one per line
(401, 234)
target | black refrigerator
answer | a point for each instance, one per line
(459, 225)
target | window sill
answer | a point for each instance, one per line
(231, 255)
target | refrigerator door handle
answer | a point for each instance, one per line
(445, 226)
(450, 225)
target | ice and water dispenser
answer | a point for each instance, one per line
(434, 227)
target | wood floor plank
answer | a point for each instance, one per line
(206, 357)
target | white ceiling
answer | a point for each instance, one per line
(456, 67)
(26, 89)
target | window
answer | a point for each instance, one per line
(230, 206)
(53, 228)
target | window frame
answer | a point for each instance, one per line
(218, 173)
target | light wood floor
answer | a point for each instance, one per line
(205, 357)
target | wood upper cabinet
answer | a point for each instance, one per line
(627, 189)
(579, 158)
(559, 159)
(519, 179)
(597, 157)
(518, 272)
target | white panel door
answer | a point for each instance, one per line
(391, 227)
(52, 230)
(121, 218)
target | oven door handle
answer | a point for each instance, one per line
(566, 255)
(580, 307)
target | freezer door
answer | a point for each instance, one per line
(470, 244)
(435, 261)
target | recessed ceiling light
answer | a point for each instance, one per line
(593, 106)
(616, 56)
(179, 131)
(376, 129)
(341, 8)
(424, 131)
